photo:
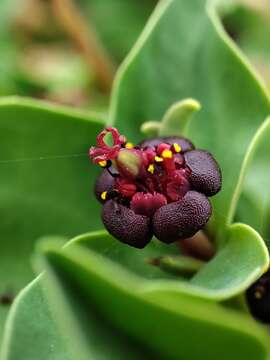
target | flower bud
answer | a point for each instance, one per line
(258, 298)
(125, 225)
(182, 219)
(129, 163)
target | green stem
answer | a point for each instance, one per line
(178, 265)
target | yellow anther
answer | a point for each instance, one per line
(102, 163)
(167, 154)
(258, 295)
(158, 159)
(177, 148)
(103, 195)
(151, 169)
(129, 145)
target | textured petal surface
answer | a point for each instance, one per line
(125, 225)
(205, 172)
(183, 218)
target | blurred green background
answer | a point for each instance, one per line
(41, 51)
(42, 55)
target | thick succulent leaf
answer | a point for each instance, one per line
(67, 327)
(209, 68)
(30, 332)
(254, 144)
(107, 269)
(241, 261)
(250, 211)
(219, 279)
(60, 332)
(256, 188)
(45, 184)
(187, 321)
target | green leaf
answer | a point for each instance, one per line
(250, 211)
(256, 188)
(180, 318)
(219, 279)
(150, 128)
(45, 184)
(93, 268)
(255, 142)
(172, 60)
(41, 340)
(177, 118)
(96, 279)
(242, 260)
(175, 121)
(67, 327)
(254, 204)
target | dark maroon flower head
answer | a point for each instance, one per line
(258, 298)
(159, 187)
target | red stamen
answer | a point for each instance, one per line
(178, 185)
(125, 188)
(147, 204)
(105, 152)
(144, 190)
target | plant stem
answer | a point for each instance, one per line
(198, 246)
(178, 265)
(85, 38)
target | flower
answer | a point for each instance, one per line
(258, 298)
(158, 188)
